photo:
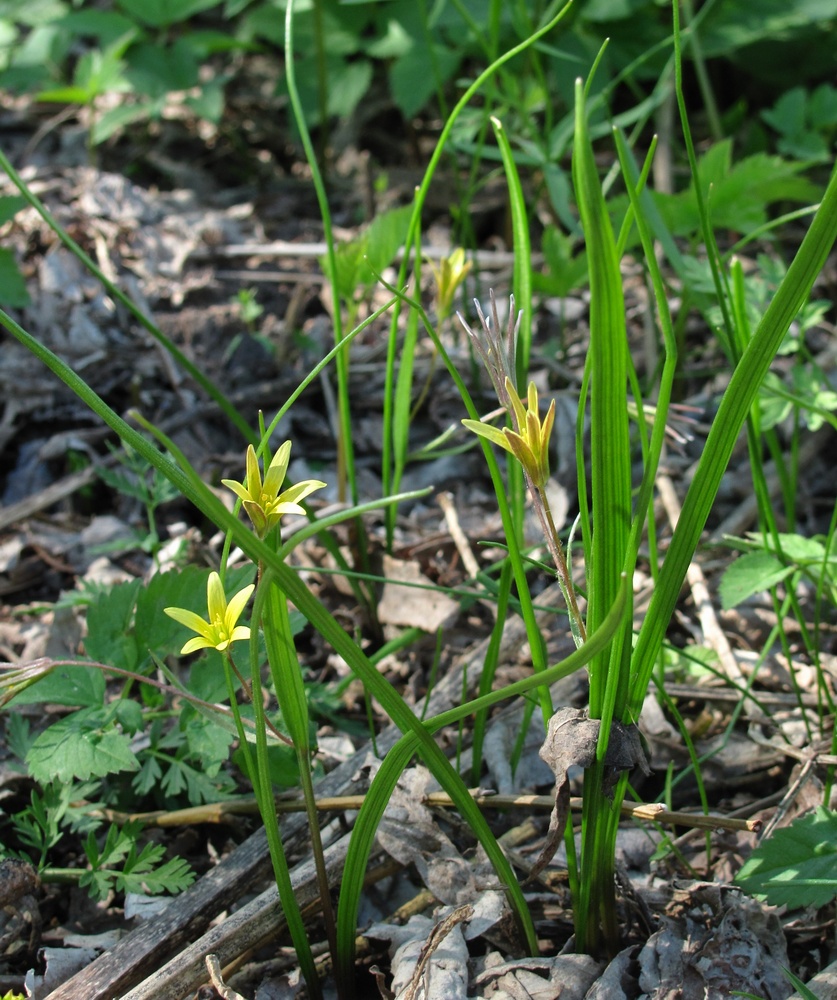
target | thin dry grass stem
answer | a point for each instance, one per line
(222, 812)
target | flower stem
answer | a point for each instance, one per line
(556, 550)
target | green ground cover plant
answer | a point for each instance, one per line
(88, 755)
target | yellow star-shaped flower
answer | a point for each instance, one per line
(529, 441)
(221, 629)
(263, 502)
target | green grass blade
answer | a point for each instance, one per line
(388, 445)
(610, 441)
(522, 246)
(655, 445)
(611, 520)
(732, 412)
(401, 753)
(392, 703)
(345, 448)
(264, 794)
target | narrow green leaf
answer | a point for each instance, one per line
(732, 412)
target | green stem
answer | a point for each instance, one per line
(290, 692)
(263, 789)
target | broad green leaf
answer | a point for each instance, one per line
(822, 107)
(797, 548)
(104, 25)
(738, 194)
(117, 118)
(162, 13)
(774, 406)
(282, 763)
(731, 26)
(411, 83)
(788, 113)
(75, 747)
(750, 574)
(385, 236)
(13, 291)
(10, 205)
(155, 70)
(207, 742)
(110, 636)
(797, 865)
(347, 83)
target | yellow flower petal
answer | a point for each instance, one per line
(195, 644)
(237, 488)
(277, 470)
(237, 604)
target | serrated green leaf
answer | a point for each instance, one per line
(797, 865)
(174, 876)
(148, 776)
(98, 883)
(748, 575)
(207, 742)
(129, 716)
(796, 548)
(75, 747)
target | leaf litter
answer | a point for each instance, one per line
(708, 937)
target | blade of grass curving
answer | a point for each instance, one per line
(610, 441)
(522, 246)
(533, 633)
(713, 256)
(399, 757)
(264, 794)
(290, 583)
(655, 445)
(732, 412)
(289, 689)
(388, 444)
(226, 406)
(340, 347)
(489, 668)
(345, 447)
(402, 404)
(522, 286)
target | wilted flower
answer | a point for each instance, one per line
(499, 358)
(263, 502)
(221, 629)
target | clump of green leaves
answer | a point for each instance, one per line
(93, 759)
(797, 865)
(806, 121)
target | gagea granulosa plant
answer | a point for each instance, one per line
(265, 502)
